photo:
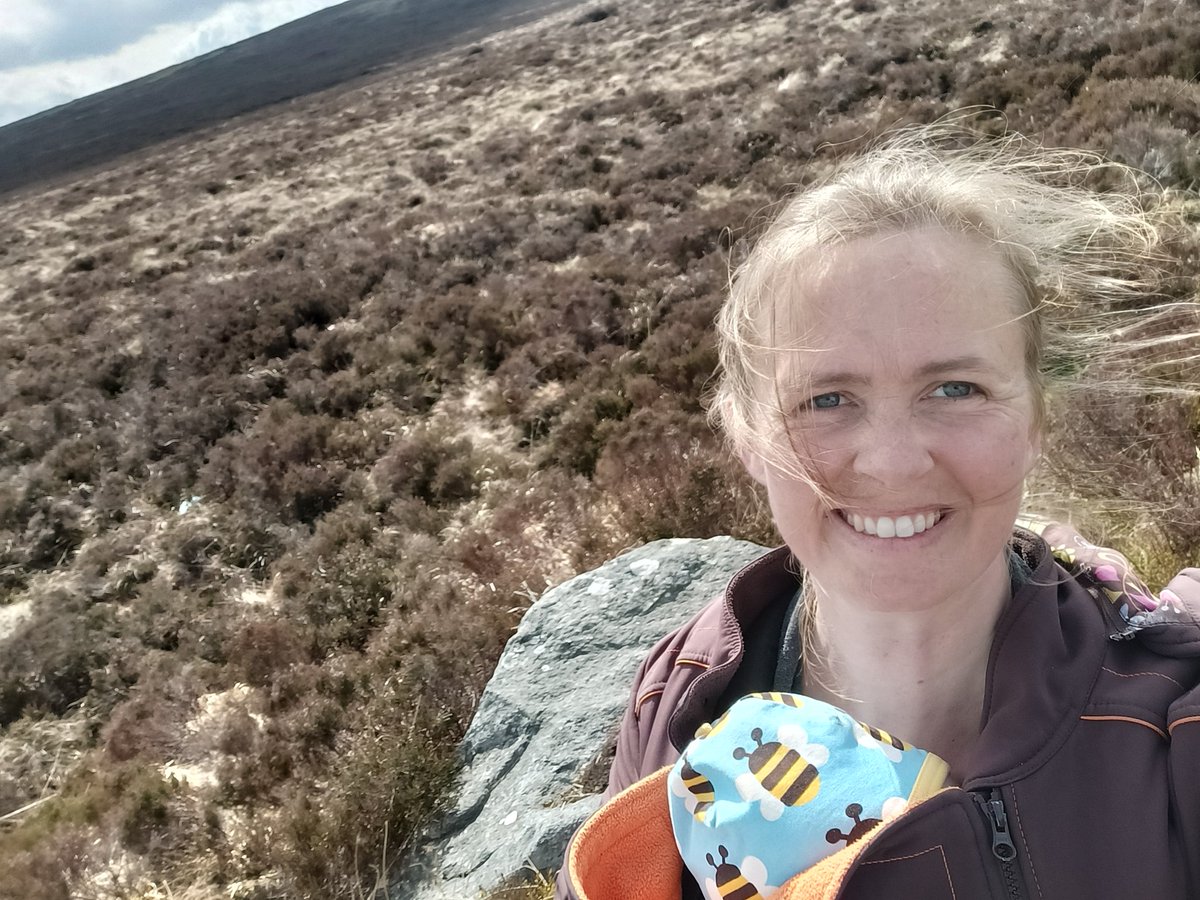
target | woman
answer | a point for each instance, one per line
(885, 353)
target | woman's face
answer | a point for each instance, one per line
(906, 399)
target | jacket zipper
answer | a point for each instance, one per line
(1003, 847)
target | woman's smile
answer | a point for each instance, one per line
(886, 526)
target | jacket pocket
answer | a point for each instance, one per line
(924, 874)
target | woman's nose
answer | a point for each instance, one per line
(892, 449)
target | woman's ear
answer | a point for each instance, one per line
(754, 464)
(1034, 452)
(752, 461)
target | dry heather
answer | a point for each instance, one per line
(301, 413)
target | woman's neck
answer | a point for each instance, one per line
(919, 674)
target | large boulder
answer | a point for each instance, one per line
(537, 752)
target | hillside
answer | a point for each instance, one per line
(326, 48)
(299, 414)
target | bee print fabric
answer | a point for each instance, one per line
(781, 781)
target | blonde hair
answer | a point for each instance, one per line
(1083, 260)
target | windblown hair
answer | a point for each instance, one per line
(1084, 261)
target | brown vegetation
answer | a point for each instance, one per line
(300, 415)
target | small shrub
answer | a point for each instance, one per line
(432, 467)
(599, 14)
(674, 479)
(339, 583)
(261, 648)
(51, 658)
(48, 869)
(340, 834)
(145, 811)
(145, 725)
(432, 168)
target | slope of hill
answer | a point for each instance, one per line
(297, 415)
(316, 52)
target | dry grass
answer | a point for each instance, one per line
(390, 360)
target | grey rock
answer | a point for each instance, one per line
(536, 754)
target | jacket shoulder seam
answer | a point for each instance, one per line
(1140, 674)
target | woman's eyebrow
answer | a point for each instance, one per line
(954, 364)
(967, 363)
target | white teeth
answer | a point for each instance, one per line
(887, 527)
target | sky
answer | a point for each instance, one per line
(53, 51)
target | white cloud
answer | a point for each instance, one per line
(41, 31)
(237, 21)
(28, 89)
(26, 22)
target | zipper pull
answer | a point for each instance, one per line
(1002, 846)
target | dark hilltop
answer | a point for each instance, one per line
(324, 49)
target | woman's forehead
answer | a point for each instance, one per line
(905, 304)
(896, 284)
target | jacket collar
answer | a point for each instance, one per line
(1047, 652)
(743, 651)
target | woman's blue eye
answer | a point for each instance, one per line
(954, 389)
(831, 400)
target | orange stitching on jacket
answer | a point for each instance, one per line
(938, 847)
(637, 710)
(1150, 725)
(684, 661)
(1136, 674)
(1028, 853)
(1183, 721)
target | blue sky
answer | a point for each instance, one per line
(53, 51)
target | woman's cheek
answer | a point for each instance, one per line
(1003, 459)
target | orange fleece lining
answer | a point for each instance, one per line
(626, 851)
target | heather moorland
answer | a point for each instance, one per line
(300, 413)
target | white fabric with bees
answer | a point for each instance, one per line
(781, 781)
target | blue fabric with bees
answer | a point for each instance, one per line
(781, 781)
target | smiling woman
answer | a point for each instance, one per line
(887, 352)
(915, 407)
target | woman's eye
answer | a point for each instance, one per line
(954, 389)
(832, 400)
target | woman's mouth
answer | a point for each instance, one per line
(905, 526)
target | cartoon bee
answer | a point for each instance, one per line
(708, 729)
(693, 788)
(776, 697)
(745, 882)
(782, 772)
(861, 826)
(889, 746)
